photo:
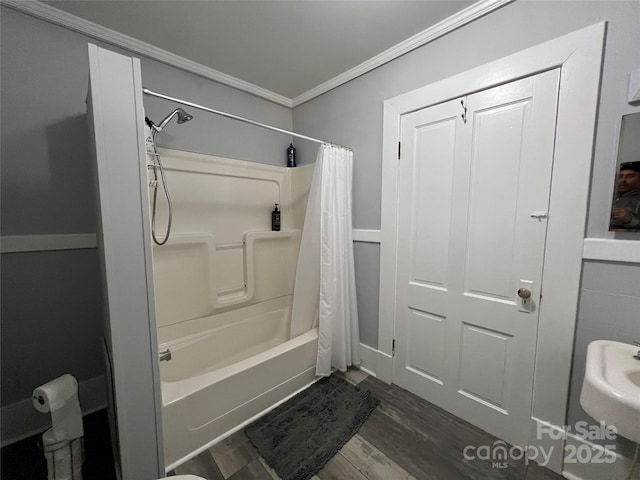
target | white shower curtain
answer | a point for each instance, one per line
(325, 286)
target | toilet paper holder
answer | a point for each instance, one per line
(39, 398)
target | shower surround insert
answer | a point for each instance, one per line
(224, 286)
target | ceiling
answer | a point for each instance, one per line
(286, 47)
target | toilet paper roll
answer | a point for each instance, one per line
(60, 397)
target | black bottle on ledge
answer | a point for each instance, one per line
(291, 156)
(275, 219)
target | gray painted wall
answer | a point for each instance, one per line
(46, 168)
(51, 319)
(366, 257)
(212, 134)
(352, 115)
(51, 301)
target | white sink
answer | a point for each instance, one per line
(611, 387)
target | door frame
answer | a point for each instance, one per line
(578, 55)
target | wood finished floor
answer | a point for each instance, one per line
(404, 438)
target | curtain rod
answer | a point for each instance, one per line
(146, 91)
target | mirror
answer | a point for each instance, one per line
(625, 210)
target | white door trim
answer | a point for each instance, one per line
(578, 55)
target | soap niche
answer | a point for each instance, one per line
(195, 277)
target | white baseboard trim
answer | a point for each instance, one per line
(584, 460)
(547, 441)
(21, 420)
(43, 243)
(376, 363)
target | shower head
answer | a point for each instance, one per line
(183, 117)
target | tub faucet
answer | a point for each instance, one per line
(637, 344)
(166, 355)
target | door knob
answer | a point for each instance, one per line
(524, 293)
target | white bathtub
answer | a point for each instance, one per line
(223, 377)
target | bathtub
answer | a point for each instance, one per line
(223, 377)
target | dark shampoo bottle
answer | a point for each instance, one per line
(275, 219)
(291, 156)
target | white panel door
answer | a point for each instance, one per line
(472, 207)
(428, 138)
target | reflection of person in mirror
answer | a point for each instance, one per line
(625, 214)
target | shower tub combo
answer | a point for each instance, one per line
(224, 288)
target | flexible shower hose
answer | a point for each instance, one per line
(158, 166)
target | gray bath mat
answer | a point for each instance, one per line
(300, 436)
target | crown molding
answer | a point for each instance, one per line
(58, 17)
(469, 14)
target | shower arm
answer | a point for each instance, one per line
(146, 91)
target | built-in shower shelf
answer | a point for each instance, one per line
(195, 276)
